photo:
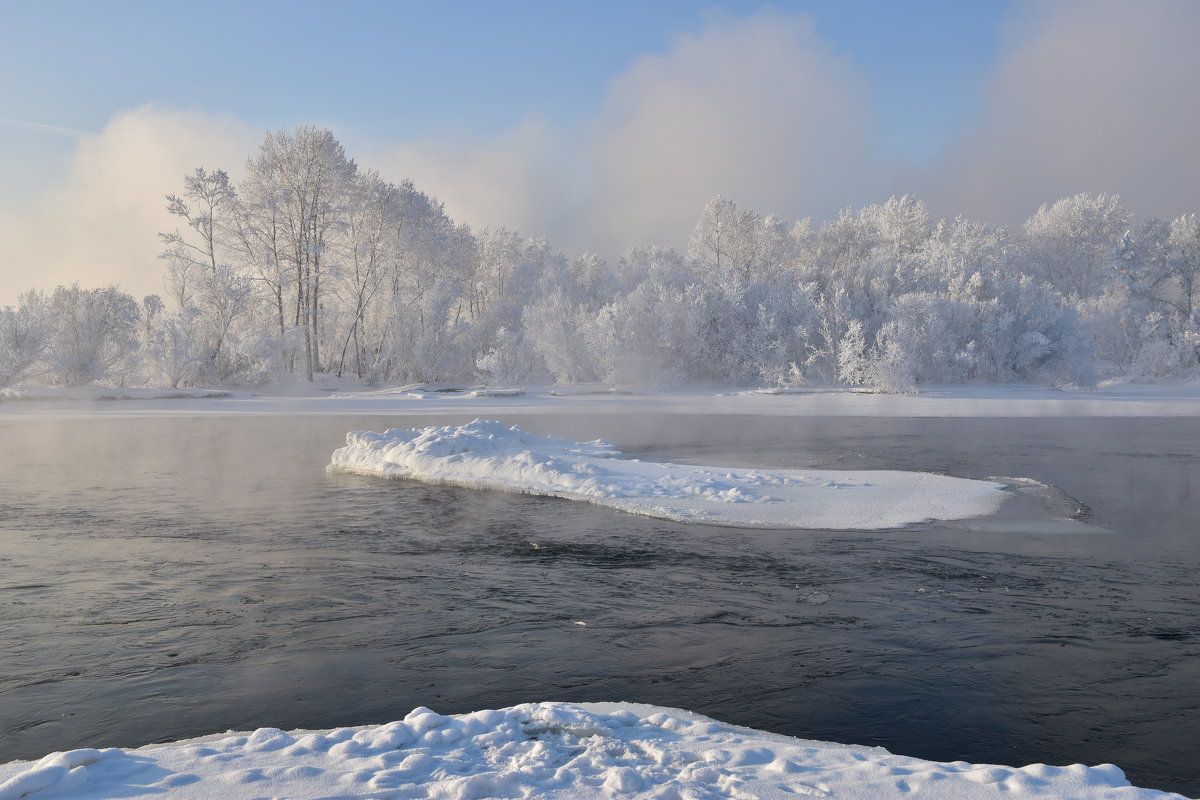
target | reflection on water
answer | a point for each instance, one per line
(172, 577)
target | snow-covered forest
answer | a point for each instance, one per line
(311, 264)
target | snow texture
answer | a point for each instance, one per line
(489, 455)
(539, 750)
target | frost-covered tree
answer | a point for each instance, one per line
(512, 359)
(506, 276)
(957, 249)
(729, 240)
(426, 260)
(891, 367)
(648, 338)
(852, 363)
(556, 327)
(1160, 263)
(310, 264)
(1183, 267)
(1147, 323)
(208, 207)
(370, 250)
(202, 277)
(172, 349)
(94, 332)
(24, 336)
(1071, 243)
(300, 184)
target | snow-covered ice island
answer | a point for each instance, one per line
(539, 751)
(485, 454)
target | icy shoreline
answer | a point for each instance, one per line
(543, 751)
(489, 455)
(1176, 399)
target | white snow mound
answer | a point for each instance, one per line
(544, 751)
(489, 455)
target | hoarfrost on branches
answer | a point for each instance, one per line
(311, 264)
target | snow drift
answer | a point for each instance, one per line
(544, 751)
(488, 455)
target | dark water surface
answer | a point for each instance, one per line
(168, 577)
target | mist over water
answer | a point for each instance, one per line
(163, 578)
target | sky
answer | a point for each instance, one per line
(600, 125)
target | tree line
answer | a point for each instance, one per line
(311, 264)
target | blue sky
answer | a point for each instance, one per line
(411, 68)
(551, 116)
(420, 69)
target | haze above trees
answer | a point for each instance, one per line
(312, 265)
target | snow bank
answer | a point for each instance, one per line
(96, 392)
(488, 455)
(543, 750)
(514, 391)
(327, 397)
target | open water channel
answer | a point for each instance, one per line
(168, 577)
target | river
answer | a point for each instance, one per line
(169, 577)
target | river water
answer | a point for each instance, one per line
(168, 577)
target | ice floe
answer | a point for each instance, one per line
(544, 751)
(486, 454)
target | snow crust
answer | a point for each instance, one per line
(486, 454)
(544, 751)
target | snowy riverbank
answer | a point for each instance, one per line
(543, 750)
(96, 392)
(1168, 399)
(486, 454)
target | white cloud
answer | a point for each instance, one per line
(1097, 96)
(757, 109)
(517, 180)
(100, 225)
